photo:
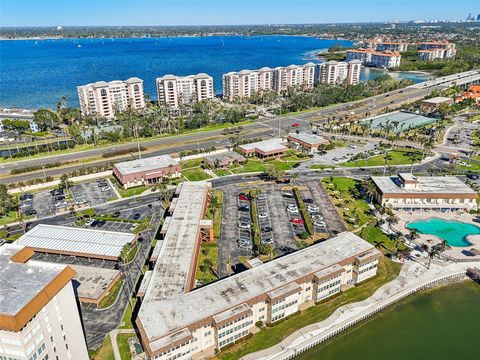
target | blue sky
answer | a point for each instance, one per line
(188, 12)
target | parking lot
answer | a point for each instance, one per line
(279, 220)
(93, 193)
(117, 226)
(44, 203)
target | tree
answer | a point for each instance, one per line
(7, 201)
(65, 183)
(413, 234)
(46, 119)
(273, 173)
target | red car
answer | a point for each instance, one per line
(297, 221)
(295, 124)
(243, 198)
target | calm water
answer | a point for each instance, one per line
(38, 73)
(454, 232)
(442, 324)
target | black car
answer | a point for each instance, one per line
(59, 198)
(25, 196)
(472, 176)
(308, 201)
(30, 212)
(101, 223)
(243, 208)
(136, 216)
(102, 184)
(267, 229)
(116, 214)
(56, 192)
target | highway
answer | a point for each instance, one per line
(264, 128)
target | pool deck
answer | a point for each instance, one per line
(455, 252)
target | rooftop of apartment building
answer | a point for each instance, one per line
(375, 52)
(99, 84)
(146, 164)
(26, 285)
(161, 314)
(423, 185)
(175, 77)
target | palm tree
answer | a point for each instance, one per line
(387, 157)
(413, 234)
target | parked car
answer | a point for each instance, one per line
(30, 212)
(25, 196)
(287, 195)
(102, 184)
(244, 226)
(133, 227)
(56, 192)
(244, 208)
(297, 221)
(80, 201)
(292, 210)
(116, 214)
(262, 197)
(262, 215)
(313, 209)
(60, 204)
(266, 229)
(136, 216)
(244, 198)
(308, 201)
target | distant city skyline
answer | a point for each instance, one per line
(224, 12)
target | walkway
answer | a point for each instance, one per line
(412, 278)
(113, 338)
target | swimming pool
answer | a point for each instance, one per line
(453, 232)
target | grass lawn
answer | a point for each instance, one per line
(320, 167)
(377, 237)
(214, 212)
(122, 341)
(105, 352)
(346, 197)
(127, 315)
(195, 174)
(192, 163)
(207, 251)
(9, 218)
(252, 165)
(112, 295)
(269, 336)
(131, 191)
(222, 172)
(397, 157)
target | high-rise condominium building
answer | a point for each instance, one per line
(175, 90)
(39, 316)
(380, 45)
(246, 83)
(334, 72)
(436, 50)
(385, 59)
(105, 99)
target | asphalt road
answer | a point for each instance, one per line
(274, 125)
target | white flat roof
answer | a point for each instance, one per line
(437, 100)
(146, 164)
(308, 138)
(91, 282)
(74, 240)
(265, 145)
(162, 313)
(174, 254)
(21, 282)
(426, 185)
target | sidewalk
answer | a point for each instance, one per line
(113, 338)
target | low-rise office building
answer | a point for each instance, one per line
(222, 160)
(434, 103)
(335, 72)
(306, 142)
(385, 59)
(176, 323)
(147, 171)
(179, 90)
(439, 193)
(105, 99)
(39, 317)
(264, 149)
(76, 241)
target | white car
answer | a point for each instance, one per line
(133, 227)
(313, 208)
(262, 216)
(292, 210)
(244, 226)
(262, 197)
(319, 223)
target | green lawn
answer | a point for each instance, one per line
(127, 315)
(269, 336)
(9, 218)
(214, 212)
(252, 165)
(397, 157)
(112, 295)
(222, 172)
(132, 191)
(195, 174)
(207, 251)
(105, 352)
(192, 163)
(122, 341)
(377, 237)
(320, 167)
(345, 196)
